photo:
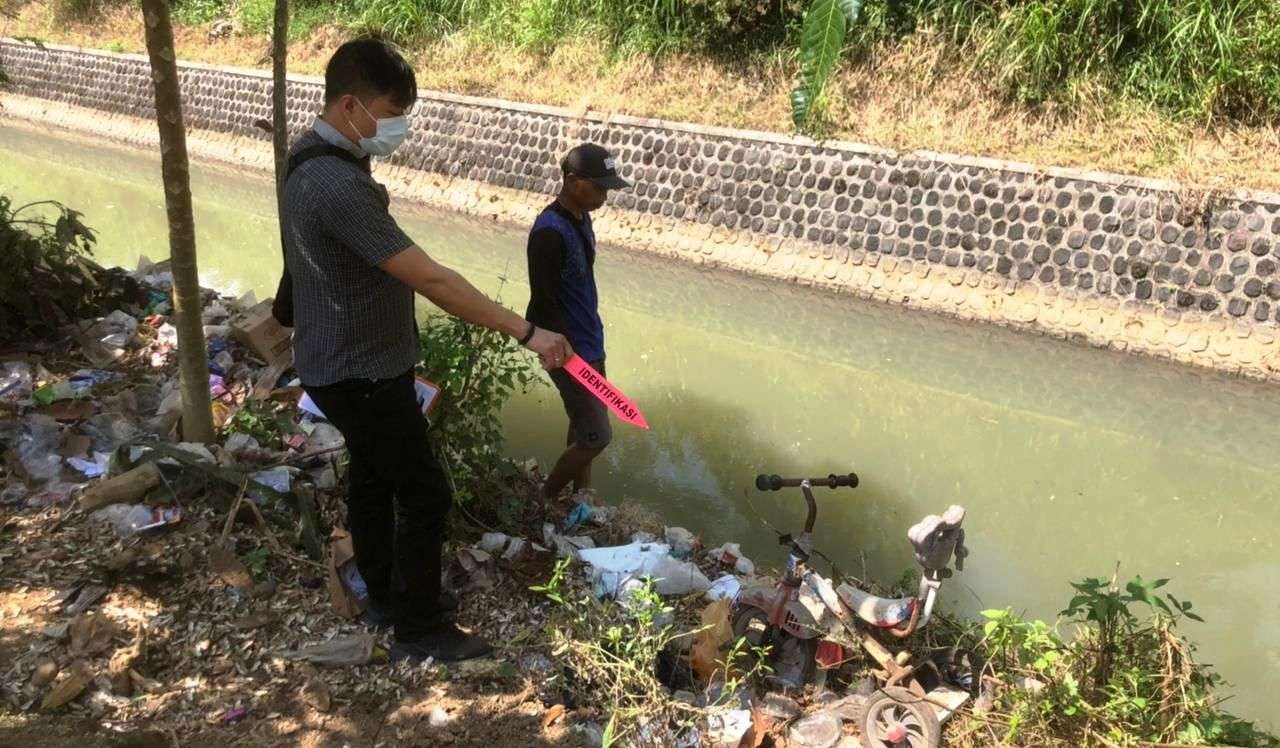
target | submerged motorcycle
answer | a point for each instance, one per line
(801, 619)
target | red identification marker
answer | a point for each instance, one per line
(597, 385)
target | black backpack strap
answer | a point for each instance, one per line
(282, 305)
(324, 149)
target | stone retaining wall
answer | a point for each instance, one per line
(1019, 246)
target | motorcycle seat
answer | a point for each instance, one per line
(936, 539)
(883, 612)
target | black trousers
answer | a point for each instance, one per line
(399, 496)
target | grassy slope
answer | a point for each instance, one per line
(907, 98)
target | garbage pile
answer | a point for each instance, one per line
(89, 425)
(91, 438)
(805, 698)
(161, 581)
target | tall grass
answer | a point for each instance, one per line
(1199, 58)
(256, 16)
(652, 27)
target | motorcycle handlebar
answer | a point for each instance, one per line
(777, 482)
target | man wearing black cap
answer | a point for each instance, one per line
(563, 299)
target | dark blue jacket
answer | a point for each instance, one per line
(562, 282)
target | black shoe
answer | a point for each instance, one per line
(447, 643)
(448, 602)
(376, 618)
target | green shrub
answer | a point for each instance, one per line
(258, 16)
(259, 420)
(1122, 674)
(197, 12)
(49, 279)
(478, 371)
(401, 20)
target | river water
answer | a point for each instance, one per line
(1070, 460)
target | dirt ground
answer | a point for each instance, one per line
(209, 650)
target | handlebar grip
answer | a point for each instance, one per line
(777, 482)
(850, 480)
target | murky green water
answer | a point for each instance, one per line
(1069, 459)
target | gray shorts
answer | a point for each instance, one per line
(589, 425)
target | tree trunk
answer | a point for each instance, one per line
(279, 93)
(197, 417)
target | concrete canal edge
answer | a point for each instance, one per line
(1119, 262)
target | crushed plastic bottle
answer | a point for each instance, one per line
(125, 519)
(106, 340)
(130, 519)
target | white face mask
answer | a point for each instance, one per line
(391, 132)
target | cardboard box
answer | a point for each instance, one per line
(341, 552)
(257, 330)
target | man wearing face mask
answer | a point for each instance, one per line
(354, 274)
(562, 285)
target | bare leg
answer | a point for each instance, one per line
(583, 478)
(574, 465)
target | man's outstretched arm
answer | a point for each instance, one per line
(451, 292)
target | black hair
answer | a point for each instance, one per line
(370, 67)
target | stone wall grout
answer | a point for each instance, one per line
(606, 118)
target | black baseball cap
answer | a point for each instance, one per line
(590, 161)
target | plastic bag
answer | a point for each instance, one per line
(108, 431)
(277, 478)
(115, 331)
(38, 448)
(354, 582)
(350, 650)
(324, 437)
(613, 566)
(566, 546)
(726, 587)
(730, 555)
(682, 542)
(16, 382)
(95, 468)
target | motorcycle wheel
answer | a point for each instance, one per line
(893, 707)
(790, 658)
